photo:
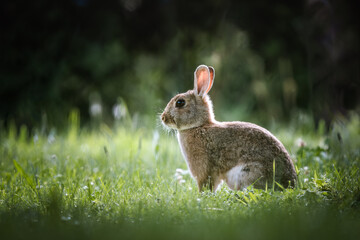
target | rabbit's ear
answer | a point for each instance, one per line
(212, 77)
(203, 79)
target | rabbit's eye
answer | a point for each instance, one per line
(180, 103)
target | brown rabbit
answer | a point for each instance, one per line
(239, 153)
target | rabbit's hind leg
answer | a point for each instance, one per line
(211, 183)
(243, 175)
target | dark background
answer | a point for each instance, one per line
(272, 58)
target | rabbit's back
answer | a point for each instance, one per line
(242, 141)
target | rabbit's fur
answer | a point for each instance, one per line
(239, 153)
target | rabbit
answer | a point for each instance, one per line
(238, 153)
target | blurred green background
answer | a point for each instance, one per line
(273, 60)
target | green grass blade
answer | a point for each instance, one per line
(273, 183)
(22, 173)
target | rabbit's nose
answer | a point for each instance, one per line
(163, 117)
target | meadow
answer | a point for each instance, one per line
(128, 181)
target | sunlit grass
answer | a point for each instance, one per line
(120, 183)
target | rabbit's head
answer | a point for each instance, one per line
(193, 108)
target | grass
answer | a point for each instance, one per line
(120, 183)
